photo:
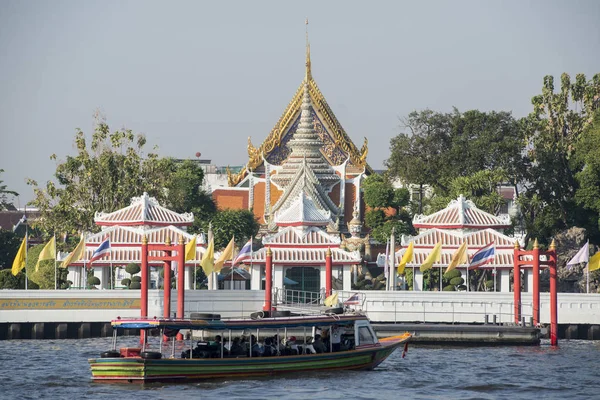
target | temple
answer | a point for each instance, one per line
(303, 185)
(307, 152)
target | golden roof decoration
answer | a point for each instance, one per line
(339, 136)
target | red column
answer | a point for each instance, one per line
(144, 286)
(328, 272)
(144, 267)
(268, 280)
(180, 278)
(553, 296)
(517, 283)
(167, 288)
(536, 282)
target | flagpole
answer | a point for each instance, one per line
(468, 277)
(587, 266)
(26, 245)
(232, 258)
(55, 268)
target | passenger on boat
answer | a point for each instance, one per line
(256, 347)
(290, 346)
(268, 349)
(336, 338)
(236, 349)
(318, 344)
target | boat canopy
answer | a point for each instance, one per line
(237, 324)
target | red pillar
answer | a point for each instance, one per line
(167, 289)
(180, 278)
(144, 286)
(328, 272)
(536, 282)
(553, 296)
(517, 283)
(268, 280)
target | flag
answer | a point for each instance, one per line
(594, 262)
(433, 257)
(19, 262)
(76, 254)
(208, 258)
(332, 301)
(244, 254)
(459, 257)
(227, 254)
(406, 258)
(190, 249)
(101, 250)
(47, 253)
(582, 256)
(483, 256)
(352, 300)
(387, 259)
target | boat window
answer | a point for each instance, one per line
(365, 336)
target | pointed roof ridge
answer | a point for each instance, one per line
(303, 212)
(310, 185)
(274, 139)
(461, 213)
(143, 210)
(294, 235)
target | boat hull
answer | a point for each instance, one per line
(148, 370)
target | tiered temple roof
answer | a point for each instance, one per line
(336, 148)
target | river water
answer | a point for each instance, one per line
(53, 369)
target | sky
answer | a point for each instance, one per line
(202, 76)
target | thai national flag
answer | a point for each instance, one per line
(101, 251)
(352, 300)
(244, 254)
(483, 256)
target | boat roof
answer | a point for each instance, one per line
(238, 324)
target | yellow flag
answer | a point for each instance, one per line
(190, 249)
(459, 257)
(594, 263)
(48, 252)
(208, 258)
(332, 301)
(227, 254)
(406, 258)
(433, 257)
(76, 254)
(19, 262)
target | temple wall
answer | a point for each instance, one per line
(234, 199)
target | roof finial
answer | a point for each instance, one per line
(308, 75)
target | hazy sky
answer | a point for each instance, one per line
(205, 75)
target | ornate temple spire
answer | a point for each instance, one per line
(308, 76)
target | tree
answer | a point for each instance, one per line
(438, 148)
(93, 281)
(553, 130)
(45, 275)
(386, 211)
(587, 157)
(9, 245)
(185, 194)
(229, 223)
(101, 177)
(5, 204)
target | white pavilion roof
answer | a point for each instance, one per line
(303, 212)
(461, 213)
(126, 241)
(144, 210)
(306, 256)
(292, 236)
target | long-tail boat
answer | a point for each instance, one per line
(350, 344)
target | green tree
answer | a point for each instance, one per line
(386, 211)
(185, 194)
(553, 130)
(100, 177)
(437, 148)
(5, 203)
(45, 275)
(9, 245)
(229, 223)
(587, 158)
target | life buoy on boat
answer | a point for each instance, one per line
(151, 355)
(334, 310)
(110, 354)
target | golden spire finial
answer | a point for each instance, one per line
(168, 241)
(535, 244)
(308, 75)
(552, 245)
(517, 246)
